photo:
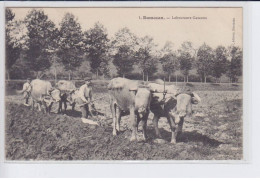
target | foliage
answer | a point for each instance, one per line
(186, 57)
(235, 65)
(205, 58)
(169, 63)
(124, 46)
(124, 60)
(41, 32)
(104, 68)
(20, 69)
(13, 47)
(96, 40)
(146, 57)
(84, 69)
(71, 42)
(186, 60)
(124, 37)
(220, 63)
(35, 46)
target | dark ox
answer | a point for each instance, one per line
(66, 88)
(125, 96)
(44, 94)
(174, 106)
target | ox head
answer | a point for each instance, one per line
(55, 95)
(142, 111)
(183, 107)
(71, 96)
(195, 98)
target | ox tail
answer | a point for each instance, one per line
(196, 99)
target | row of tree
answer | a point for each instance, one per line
(36, 45)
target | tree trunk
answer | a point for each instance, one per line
(8, 75)
(205, 79)
(97, 74)
(147, 78)
(183, 78)
(187, 78)
(143, 76)
(123, 75)
(55, 75)
(69, 71)
(169, 77)
(176, 78)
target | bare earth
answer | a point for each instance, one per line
(214, 132)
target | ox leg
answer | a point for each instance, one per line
(144, 126)
(155, 124)
(180, 125)
(49, 108)
(60, 107)
(45, 106)
(73, 106)
(118, 118)
(32, 105)
(138, 119)
(134, 124)
(65, 106)
(173, 127)
(113, 111)
(39, 106)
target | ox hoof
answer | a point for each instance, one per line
(142, 140)
(159, 141)
(173, 141)
(114, 133)
(133, 138)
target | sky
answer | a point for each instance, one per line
(213, 26)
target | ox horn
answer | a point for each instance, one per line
(196, 96)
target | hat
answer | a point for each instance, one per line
(87, 79)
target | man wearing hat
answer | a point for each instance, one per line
(27, 91)
(85, 95)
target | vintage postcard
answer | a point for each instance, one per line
(123, 83)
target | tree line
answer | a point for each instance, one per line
(35, 47)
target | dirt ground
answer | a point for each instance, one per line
(214, 132)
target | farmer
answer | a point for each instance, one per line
(85, 95)
(27, 91)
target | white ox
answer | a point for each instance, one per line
(44, 94)
(125, 96)
(174, 105)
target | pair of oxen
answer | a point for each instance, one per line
(162, 100)
(126, 97)
(44, 94)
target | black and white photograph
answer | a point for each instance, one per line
(123, 83)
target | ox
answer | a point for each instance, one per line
(66, 87)
(44, 94)
(125, 96)
(173, 105)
